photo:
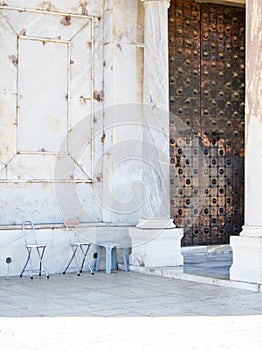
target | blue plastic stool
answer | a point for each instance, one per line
(111, 261)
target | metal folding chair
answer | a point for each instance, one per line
(77, 244)
(30, 244)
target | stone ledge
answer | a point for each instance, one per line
(212, 249)
(177, 273)
(61, 225)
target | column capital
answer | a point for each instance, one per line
(148, 3)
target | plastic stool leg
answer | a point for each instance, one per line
(98, 258)
(108, 259)
(114, 259)
(124, 259)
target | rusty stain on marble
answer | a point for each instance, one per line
(83, 5)
(66, 21)
(23, 32)
(13, 59)
(46, 6)
(84, 99)
(98, 95)
(99, 177)
(103, 137)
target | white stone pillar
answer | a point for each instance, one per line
(155, 240)
(156, 108)
(156, 84)
(247, 248)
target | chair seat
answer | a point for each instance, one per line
(78, 244)
(36, 246)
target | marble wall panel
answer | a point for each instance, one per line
(42, 87)
(8, 133)
(43, 24)
(8, 49)
(81, 64)
(46, 203)
(82, 7)
(123, 84)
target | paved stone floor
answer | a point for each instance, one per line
(215, 265)
(126, 311)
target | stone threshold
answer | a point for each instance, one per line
(177, 273)
(206, 249)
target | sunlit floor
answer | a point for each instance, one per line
(126, 310)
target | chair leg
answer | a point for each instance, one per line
(30, 264)
(73, 257)
(76, 262)
(40, 260)
(29, 251)
(84, 254)
(41, 264)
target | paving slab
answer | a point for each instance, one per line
(126, 310)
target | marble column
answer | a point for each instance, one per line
(247, 248)
(155, 240)
(156, 109)
(156, 84)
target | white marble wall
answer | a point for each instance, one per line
(47, 123)
(123, 69)
(116, 147)
(247, 248)
(92, 166)
(81, 7)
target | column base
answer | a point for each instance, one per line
(156, 243)
(247, 255)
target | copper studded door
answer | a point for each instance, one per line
(207, 56)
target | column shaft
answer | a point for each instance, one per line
(156, 84)
(156, 110)
(253, 154)
(247, 248)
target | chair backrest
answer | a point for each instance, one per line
(71, 228)
(29, 232)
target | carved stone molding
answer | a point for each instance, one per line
(156, 3)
